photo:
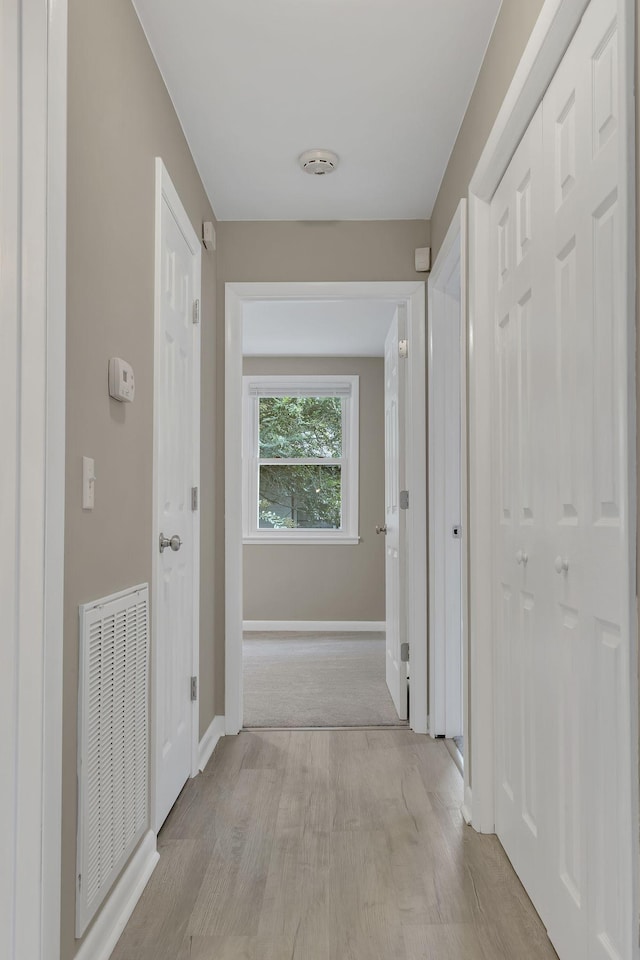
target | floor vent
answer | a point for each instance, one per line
(113, 742)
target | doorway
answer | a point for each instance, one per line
(241, 301)
(176, 535)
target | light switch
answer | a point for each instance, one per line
(88, 483)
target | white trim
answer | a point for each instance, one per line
(455, 754)
(165, 191)
(215, 730)
(314, 626)
(33, 69)
(556, 25)
(305, 538)
(413, 294)
(452, 253)
(55, 480)
(100, 941)
(347, 388)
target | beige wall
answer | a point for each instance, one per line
(511, 33)
(325, 582)
(120, 118)
(253, 251)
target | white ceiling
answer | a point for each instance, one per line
(321, 328)
(384, 83)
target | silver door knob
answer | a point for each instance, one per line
(522, 557)
(561, 564)
(382, 529)
(174, 542)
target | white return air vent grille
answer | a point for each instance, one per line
(113, 732)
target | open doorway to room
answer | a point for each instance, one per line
(320, 381)
(314, 519)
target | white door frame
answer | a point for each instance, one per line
(452, 252)
(413, 293)
(166, 192)
(33, 109)
(554, 29)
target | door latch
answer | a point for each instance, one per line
(404, 652)
(456, 531)
(194, 688)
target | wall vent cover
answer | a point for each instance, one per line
(113, 742)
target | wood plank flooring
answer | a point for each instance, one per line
(330, 845)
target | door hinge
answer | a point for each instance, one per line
(403, 349)
(194, 498)
(196, 311)
(404, 652)
(404, 499)
(194, 688)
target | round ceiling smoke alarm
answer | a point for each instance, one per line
(318, 161)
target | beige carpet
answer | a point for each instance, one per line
(316, 680)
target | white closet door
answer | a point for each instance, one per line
(588, 641)
(519, 573)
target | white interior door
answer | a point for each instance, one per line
(175, 537)
(445, 508)
(564, 797)
(519, 574)
(394, 393)
(588, 641)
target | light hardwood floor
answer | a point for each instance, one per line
(330, 845)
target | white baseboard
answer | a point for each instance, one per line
(100, 941)
(467, 806)
(215, 730)
(314, 626)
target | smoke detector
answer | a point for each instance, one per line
(318, 161)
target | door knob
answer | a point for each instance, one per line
(522, 557)
(382, 529)
(174, 542)
(561, 564)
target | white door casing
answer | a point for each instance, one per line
(413, 295)
(395, 556)
(564, 506)
(33, 103)
(447, 486)
(176, 472)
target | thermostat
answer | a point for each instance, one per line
(121, 381)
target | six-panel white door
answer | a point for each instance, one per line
(588, 638)
(174, 608)
(394, 393)
(563, 591)
(520, 399)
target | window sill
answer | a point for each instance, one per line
(339, 539)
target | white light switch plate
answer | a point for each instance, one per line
(88, 483)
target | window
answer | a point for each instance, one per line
(300, 459)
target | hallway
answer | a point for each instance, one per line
(330, 845)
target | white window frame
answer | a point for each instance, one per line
(345, 387)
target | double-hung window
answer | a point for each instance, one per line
(300, 459)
